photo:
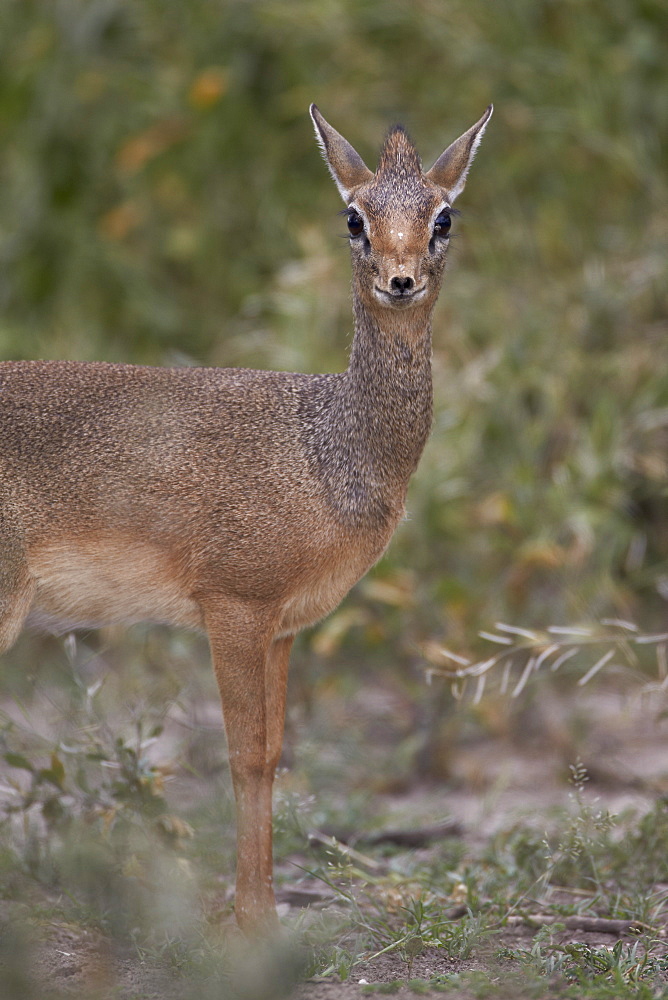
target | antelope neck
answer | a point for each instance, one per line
(370, 429)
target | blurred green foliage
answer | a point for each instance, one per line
(163, 202)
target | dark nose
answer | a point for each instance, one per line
(401, 285)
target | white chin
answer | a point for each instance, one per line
(399, 301)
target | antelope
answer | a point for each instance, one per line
(242, 503)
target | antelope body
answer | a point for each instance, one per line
(244, 503)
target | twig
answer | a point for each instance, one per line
(417, 836)
(349, 852)
(554, 646)
(599, 925)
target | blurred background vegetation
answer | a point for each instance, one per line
(163, 202)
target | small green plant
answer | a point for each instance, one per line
(582, 850)
(108, 785)
(90, 819)
(577, 853)
(622, 964)
(292, 815)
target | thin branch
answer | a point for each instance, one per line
(600, 925)
(554, 646)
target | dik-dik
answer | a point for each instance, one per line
(245, 503)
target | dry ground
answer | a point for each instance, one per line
(495, 782)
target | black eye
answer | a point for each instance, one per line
(355, 224)
(442, 224)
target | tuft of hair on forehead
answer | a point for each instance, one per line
(398, 155)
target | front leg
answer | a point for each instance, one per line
(276, 675)
(249, 678)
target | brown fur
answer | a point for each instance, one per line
(245, 503)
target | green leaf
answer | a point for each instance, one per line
(18, 760)
(56, 774)
(52, 810)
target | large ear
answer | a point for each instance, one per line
(452, 166)
(345, 165)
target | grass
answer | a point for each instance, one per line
(500, 883)
(165, 202)
(94, 840)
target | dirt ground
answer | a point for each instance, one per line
(78, 965)
(493, 785)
